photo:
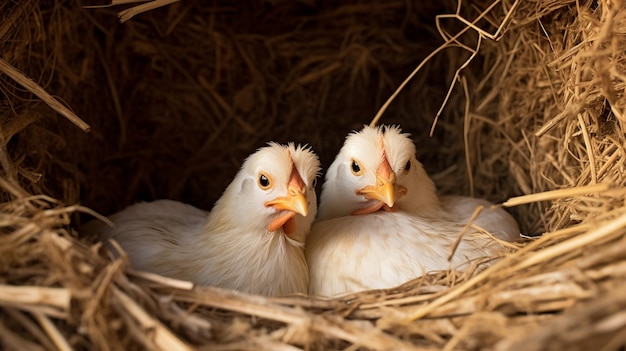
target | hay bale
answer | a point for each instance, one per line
(177, 96)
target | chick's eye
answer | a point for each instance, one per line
(407, 167)
(264, 181)
(355, 166)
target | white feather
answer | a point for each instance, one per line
(496, 221)
(231, 246)
(385, 249)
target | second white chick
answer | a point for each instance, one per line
(381, 223)
(251, 241)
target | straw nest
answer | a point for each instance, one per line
(178, 95)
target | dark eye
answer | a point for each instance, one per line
(264, 181)
(355, 166)
(407, 167)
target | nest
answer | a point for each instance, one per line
(520, 102)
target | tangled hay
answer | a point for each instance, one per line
(178, 95)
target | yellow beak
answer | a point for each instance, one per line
(294, 202)
(383, 191)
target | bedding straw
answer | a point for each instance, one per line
(180, 92)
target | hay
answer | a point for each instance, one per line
(178, 95)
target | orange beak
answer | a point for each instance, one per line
(384, 191)
(294, 203)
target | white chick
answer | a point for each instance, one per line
(251, 241)
(381, 223)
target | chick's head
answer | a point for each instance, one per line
(376, 169)
(275, 188)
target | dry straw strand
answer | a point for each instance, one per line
(57, 337)
(448, 42)
(162, 336)
(16, 296)
(557, 194)
(149, 6)
(41, 93)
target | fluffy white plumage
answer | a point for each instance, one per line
(253, 238)
(381, 223)
(496, 221)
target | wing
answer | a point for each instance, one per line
(149, 230)
(496, 221)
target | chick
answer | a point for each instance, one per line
(253, 238)
(381, 222)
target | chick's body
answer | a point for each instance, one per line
(381, 222)
(385, 249)
(252, 240)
